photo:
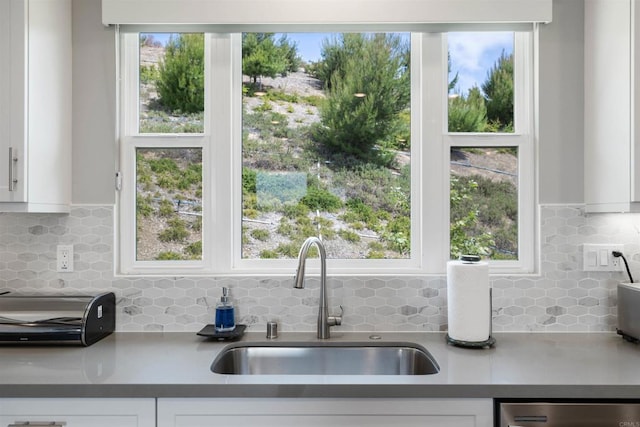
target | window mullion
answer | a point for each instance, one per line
(435, 158)
(128, 120)
(221, 173)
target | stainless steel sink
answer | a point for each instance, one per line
(325, 358)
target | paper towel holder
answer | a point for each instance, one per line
(489, 342)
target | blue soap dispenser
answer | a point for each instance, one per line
(225, 313)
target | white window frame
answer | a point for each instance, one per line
(221, 143)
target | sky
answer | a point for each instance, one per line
(472, 54)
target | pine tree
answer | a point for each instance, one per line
(262, 56)
(498, 89)
(468, 114)
(181, 74)
(368, 87)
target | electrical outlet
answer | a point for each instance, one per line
(64, 258)
(599, 257)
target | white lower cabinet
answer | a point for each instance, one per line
(89, 412)
(285, 412)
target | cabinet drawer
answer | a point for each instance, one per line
(78, 412)
(283, 412)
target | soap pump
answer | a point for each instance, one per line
(225, 313)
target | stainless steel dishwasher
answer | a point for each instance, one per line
(588, 413)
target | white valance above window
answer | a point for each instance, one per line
(297, 13)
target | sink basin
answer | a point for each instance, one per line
(325, 358)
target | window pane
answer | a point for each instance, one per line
(326, 144)
(171, 83)
(481, 82)
(484, 202)
(169, 204)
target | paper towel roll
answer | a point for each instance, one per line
(468, 301)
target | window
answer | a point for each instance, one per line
(356, 144)
(326, 144)
(484, 180)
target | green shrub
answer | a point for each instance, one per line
(191, 176)
(167, 181)
(163, 165)
(181, 74)
(281, 95)
(197, 224)
(268, 254)
(264, 107)
(194, 250)
(260, 234)
(349, 236)
(167, 209)
(289, 250)
(318, 198)
(324, 227)
(250, 213)
(148, 74)
(144, 207)
(397, 235)
(375, 255)
(175, 232)
(285, 228)
(169, 256)
(294, 211)
(466, 234)
(305, 227)
(376, 246)
(314, 100)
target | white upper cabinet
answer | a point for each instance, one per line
(35, 105)
(612, 107)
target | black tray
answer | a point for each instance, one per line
(472, 344)
(209, 331)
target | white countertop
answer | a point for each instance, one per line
(588, 365)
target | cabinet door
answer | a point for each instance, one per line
(35, 105)
(12, 100)
(325, 412)
(78, 412)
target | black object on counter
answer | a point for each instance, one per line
(210, 331)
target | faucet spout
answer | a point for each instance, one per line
(324, 320)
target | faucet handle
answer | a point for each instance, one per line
(336, 320)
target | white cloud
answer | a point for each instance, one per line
(473, 54)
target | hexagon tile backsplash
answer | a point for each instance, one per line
(560, 298)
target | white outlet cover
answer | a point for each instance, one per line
(64, 258)
(592, 257)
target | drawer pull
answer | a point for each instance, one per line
(38, 423)
(13, 159)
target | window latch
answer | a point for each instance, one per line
(118, 181)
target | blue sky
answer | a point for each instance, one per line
(472, 54)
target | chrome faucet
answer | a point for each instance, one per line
(324, 320)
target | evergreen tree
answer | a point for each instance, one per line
(468, 114)
(498, 89)
(181, 74)
(262, 56)
(368, 87)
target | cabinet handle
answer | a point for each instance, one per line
(13, 159)
(38, 423)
